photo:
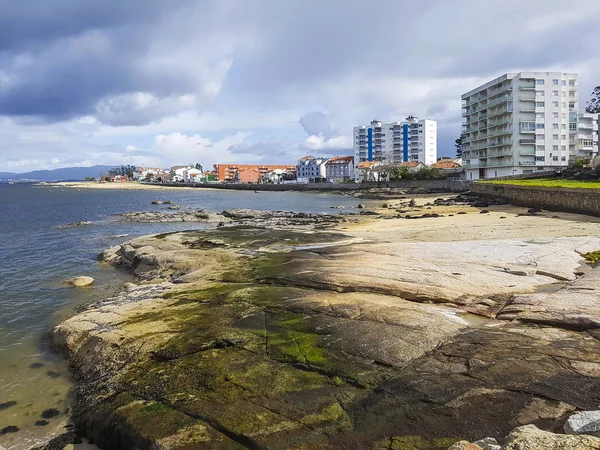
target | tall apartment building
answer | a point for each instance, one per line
(520, 123)
(396, 142)
(587, 136)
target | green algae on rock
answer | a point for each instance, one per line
(244, 337)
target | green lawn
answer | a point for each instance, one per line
(548, 182)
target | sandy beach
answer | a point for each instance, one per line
(128, 186)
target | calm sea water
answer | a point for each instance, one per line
(36, 255)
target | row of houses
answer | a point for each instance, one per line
(309, 169)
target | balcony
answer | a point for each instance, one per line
(527, 163)
(527, 142)
(527, 86)
(527, 99)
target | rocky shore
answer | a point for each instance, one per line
(270, 333)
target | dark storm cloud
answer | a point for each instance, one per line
(59, 58)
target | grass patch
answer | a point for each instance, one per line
(592, 258)
(547, 182)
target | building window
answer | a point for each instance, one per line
(555, 82)
(571, 82)
(571, 105)
(555, 138)
(555, 126)
(539, 93)
(540, 104)
(555, 147)
(539, 126)
(563, 126)
(564, 82)
(563, 158)
(539, 82)
(555, 158)
(540, 158)
(555, 115)
(539, 148)
(555, 104)
(563, 137)
(540, 137)
(563, 147)
(555, 93)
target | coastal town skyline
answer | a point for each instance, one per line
(107, 89)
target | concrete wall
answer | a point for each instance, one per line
(582, 201)
(431, 185)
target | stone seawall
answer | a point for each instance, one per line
(431, 185)
(581, 201)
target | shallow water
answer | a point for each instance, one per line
(36, 255)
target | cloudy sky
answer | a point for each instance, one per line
(85, 82)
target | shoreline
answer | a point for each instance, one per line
(228, 257)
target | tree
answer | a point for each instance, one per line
(458, 143)
(126, 171)
(90, 178)
(593, 104)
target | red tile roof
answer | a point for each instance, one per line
(340, 160)
(446, 164)
(367, 164)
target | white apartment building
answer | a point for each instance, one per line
(310, 169)
(396, 142)
(587, 137)
(519, 123)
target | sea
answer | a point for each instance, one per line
(37, 253)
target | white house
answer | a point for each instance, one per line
(310, 169)
(192, 175)
(366, 171)
(178, 173)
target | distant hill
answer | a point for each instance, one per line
(63, 174)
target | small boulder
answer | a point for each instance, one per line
(174, 207)
(530, 437)
(82, 281)
(586, 422)
(361, 206)
(157, 202)
(484, 211)
(488, 443)
(41, 423)
(169, 202)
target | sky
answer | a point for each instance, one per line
(168, 82)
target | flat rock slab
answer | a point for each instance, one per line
(442, 271)
(575, 306)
